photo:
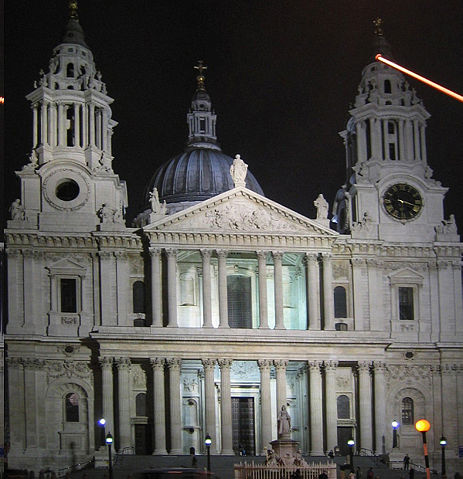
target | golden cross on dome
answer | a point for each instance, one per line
(73, 8)
(200, 78)
(378, 23)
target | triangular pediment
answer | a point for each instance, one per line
(406, 276)
(240, 211)
(65, 266)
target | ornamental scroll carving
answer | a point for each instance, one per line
(67, 368)
(409, 374)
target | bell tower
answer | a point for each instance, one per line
(69, 183)
(390, 192)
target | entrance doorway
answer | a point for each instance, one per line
(243, 425)
(143, 439)
(344, 434)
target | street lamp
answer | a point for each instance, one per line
(208, 442)
(109, 441)
(443, 443)
(423, 426)
(395, 426)
(351, 444)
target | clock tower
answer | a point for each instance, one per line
(390, 193)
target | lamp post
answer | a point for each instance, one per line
(395, 425)
(443, 443)
(109, 441)
(208, 442)
(424, 426)
(351, 444)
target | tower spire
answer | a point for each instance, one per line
(73, 9)
(201, 79)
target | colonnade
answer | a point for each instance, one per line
(315, 304)
(68, 123)
(321, 403)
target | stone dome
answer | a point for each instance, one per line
(202, 170)
(196, 175)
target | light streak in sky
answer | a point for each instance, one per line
(451, 93)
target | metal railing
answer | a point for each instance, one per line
(263, 471)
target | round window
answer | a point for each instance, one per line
(68, 190)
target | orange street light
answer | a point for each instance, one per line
(423, 426)
(451, 93)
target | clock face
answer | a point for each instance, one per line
(402, 201)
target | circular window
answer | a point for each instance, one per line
(68, 190)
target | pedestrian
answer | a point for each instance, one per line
(323, 475)
(358, 474)
(370, 474)
(411, 474)
(406, 462)
(351, 475)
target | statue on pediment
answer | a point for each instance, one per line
(238, 171)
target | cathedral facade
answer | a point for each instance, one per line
(219, 305)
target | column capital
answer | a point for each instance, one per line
(205, 253)
(171, 252)
(379, 367)
(364, 366)
(278, 255)
(105, 254)
(221, 253)
(331, 365)
(358, 262)
(315, 365)
(123, 363)
(311, 258)
(327, 256)
(280, 364)
(208, 363)
(264, 364)
(174, 363)
(262, 254)
(225, 363)
(121, 255)
(157, 363)
(155, 251)
(106, 362)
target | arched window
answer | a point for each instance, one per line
(343, 404)
(340, 302)
(70, 70)
(407, 411)
(138, 294)
(140, 404)
(239, 301)
(72, 407)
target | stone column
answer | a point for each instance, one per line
(263, 307)
(449, 416)
(365, 403)
(31, 366)
(44, 123)
(328, 300)
(175, 407)
(106, 364)
(209, 386)
(360, 294)
(316, 410)
(77, 141)
(226, 407)
(280, 369)
(223, 299)
(438, 406)
(313, 281)
(17, 403)
(278, 288)
(123, 370)
(159, 406)
(53, 125)
(107, 270)
(156, 288)
(380, 406)
(35, 121)
(172, 287)
(331, 406)
(122, 281)
(460, 403)
(84, 114)
(91, 126)
(207, 293)
(265, 402)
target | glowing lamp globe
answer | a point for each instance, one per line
(422, 425)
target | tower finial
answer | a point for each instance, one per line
(73, 9)
(201, 78)
(378, 23)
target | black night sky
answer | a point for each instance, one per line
(282, 75)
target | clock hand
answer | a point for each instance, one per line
(405, 202)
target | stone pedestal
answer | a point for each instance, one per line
(286, 450)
